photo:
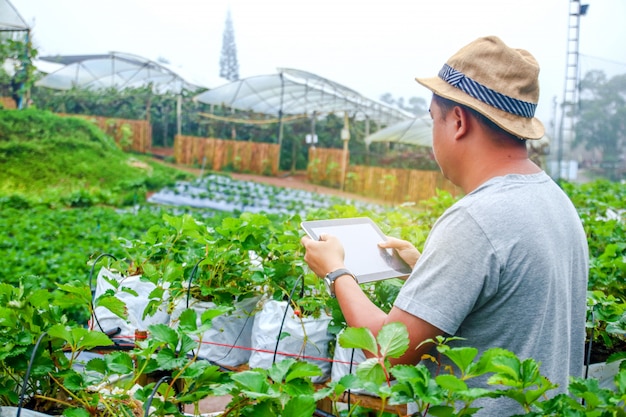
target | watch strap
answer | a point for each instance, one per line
(333, 275)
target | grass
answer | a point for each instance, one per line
(50, 160)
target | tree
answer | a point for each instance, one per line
(229, 67)
(17, 74)
(602, 118)
(416, 105)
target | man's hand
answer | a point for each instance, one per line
(405, 249)
(324, 255)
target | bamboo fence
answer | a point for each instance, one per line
(392, 185)
(223, 155)
(8, 103)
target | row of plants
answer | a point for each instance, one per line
(220, 192)
(167, 254)
(109, 384)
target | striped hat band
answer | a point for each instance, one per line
(486, 95)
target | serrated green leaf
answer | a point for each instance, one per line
(462, 357)
(62, 332)
(187, 322)
(358, 338)
(393, 340)
(372, 371)
(451, 383)
(278, 371)
(300, 406)
(96, 365)
(165, 334)
(113, 304)
(76, 412)
(119, 363)
(252, 380)
(303, 370)
(168, 359)
(187, 344)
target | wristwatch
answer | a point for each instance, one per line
(330, 278)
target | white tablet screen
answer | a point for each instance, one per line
(360, 237)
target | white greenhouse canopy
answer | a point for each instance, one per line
(299, 92)
(10, 19)
(416, 131)
(113, 70)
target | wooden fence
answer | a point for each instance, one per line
(135, 135)
(8, 103)
(219, 154)
(393, 185)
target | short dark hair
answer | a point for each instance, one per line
(446, 105)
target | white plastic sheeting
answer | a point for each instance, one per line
(416, 131)
(293, 91)
(10, 19)
(114, 70)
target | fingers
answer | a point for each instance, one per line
(395, 243)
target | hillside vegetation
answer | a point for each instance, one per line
(50, 160)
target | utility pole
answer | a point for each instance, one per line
(569, 106)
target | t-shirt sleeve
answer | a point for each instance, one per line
(457, 272)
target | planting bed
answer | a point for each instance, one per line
(220, 192)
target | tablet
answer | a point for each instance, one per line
(360, 237)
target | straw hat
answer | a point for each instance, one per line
(497, 81)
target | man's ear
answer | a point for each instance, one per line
(461, 119)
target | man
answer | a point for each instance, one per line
(507, 265)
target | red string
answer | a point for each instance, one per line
(289, 354)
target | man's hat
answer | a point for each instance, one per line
(499, 82)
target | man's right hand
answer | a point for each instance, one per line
(405, 249)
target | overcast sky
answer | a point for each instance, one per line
(371, 46)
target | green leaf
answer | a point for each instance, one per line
(393, 339)
(92, 339)
(74, 382)
(62, 332)
(462, 357)
(451, 383)
(187, 322)
(187, 344)
(358, 338)
(300, 406)
(252, 380)
(119, 363)
(113, 304)
(208, 315)
(96, 365)
(79, 289)
(76, 412)
(441, 411)
(165, 334)
(371, 370)
(303, 370)
(278, 371)
(168, 359)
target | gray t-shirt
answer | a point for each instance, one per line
(507, 267)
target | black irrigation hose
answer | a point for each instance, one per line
(93, 291)
(30, 365)
(349, 372)
(191, 277)
(322, 413)
(282, 323)
(146, 410)
(588, 355)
